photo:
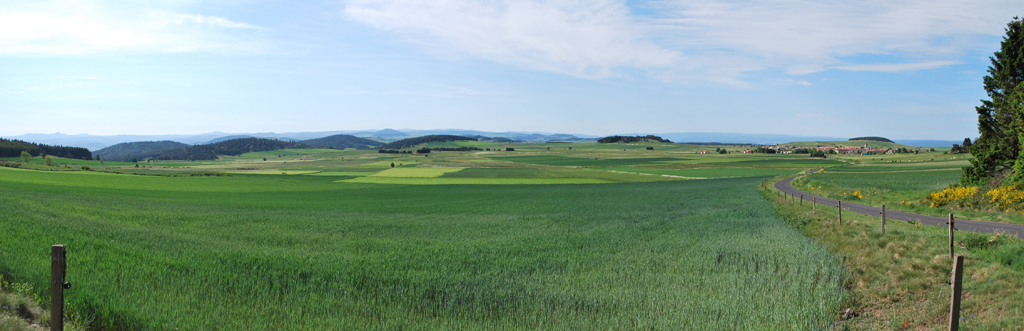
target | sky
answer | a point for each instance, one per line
(898, 69)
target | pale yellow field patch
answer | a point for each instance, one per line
(344, 173)
(387, 163)
(415, 172)
(470, 181)
(275, 172)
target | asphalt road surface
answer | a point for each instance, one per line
(958, 224)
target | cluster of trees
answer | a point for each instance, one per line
(229, 147)
(873, 139)
(1001, 119)
(392, 151)
(630, 139)
(342, 141)
(423, 150)
(965, 148)
(410, 142)
(456, 149)
(762, 149)
(720, 150)
(14, 147)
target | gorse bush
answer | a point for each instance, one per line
(1006, 197)
(959, 195)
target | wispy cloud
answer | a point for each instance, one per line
(213, 21)
(580, 38)
(79, 27)
(896, 67)
(686, 41)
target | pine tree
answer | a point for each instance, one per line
(1000, 120)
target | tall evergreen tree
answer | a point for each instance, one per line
(1000, 120)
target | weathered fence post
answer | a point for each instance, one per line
(58, 265)
(951, 236)
(801, 200)
(883, 219)
(957, 286)
(814, 205)
(840, 205)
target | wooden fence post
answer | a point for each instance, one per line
(957, 286)
(58, 265)
(883, 219)
(814, 205)
(801, 200)
(951, 236)
(839, 203)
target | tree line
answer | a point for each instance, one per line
(14, 147)
(630, 139)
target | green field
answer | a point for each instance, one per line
(705, 172)
(272, 252)
(928, 180)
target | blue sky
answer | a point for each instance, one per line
(900, 69)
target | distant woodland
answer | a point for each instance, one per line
(630, 139)
(342, 141)
(231, 147)
(410, 142)
(137, 150)
(13, 148)
(873, 139)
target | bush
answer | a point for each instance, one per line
(961, 195)
(1006, 197)
(510, 149)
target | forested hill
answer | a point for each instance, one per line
(231, 147)
(13, 148)
(882, 139)
(410, 142)
(137, 150)
(342, 141)
(630, 139)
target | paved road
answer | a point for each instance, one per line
(958, 224)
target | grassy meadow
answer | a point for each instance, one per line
(591, 238)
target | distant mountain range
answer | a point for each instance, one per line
(95, 142)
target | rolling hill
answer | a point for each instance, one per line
(342, 141)
(137, 150)
(410, 142)
(231, 147)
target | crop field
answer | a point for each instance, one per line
(901, 181)
(495, 173)
(273, 252)
(706, 172)
(557, 160)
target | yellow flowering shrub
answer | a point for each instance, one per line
(960, 195)
(1008, 197)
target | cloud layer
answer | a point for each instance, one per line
(694, 40)
(72, 27)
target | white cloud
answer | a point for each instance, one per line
(586, 39)
(690, 40)
(79, 27)
(896, 67)
(214, 21)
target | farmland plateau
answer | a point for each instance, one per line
(599, 236)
